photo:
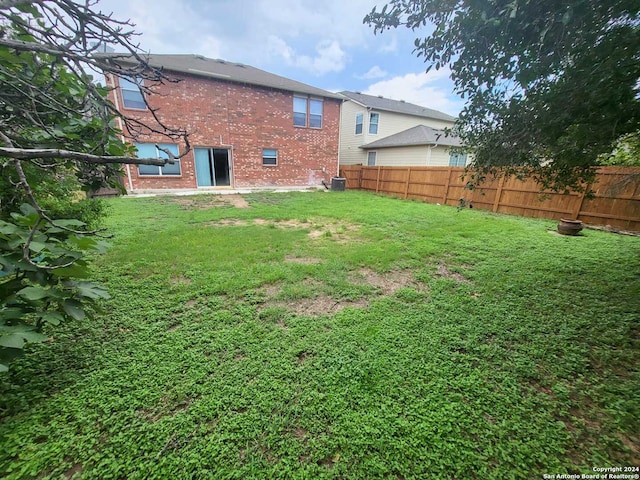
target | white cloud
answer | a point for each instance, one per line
(372, 73)
(426, 89)
(279, 48)
(330, 56)
(167, 26)
(390, 47)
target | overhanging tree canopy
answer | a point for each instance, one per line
(549, 85)
(55, 121)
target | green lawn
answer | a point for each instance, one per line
(336, 335)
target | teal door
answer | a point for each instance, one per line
(203, 167)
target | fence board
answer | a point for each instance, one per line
(615, 201)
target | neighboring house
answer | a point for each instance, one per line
(380, 131)
(247, 127)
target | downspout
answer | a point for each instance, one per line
(429, 152)
(121, 126)
(339, 136)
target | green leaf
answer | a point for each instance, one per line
(52, 318)
(69, 223)
(11, 313)
(37, 246)
(13, 340)
(34, 337)
(34, 293)
(91, 290)
(3, 368)
(74, 271)
(8, 228)
(27, 209)
(74, 309)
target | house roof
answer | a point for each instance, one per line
(222, 70)
(397, 106)
(419, 135)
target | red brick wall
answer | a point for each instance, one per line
(245, 119)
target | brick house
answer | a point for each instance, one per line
(248, 128)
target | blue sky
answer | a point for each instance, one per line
(319, 42)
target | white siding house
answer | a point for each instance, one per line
(381, 131)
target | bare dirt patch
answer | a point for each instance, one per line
(336, 231)
(181, 280)
(271, 289)
(206, 201)
(443, 271)
(76, 469)
(318, 229)
(236, 201)
(323, 304)
(303, 356)
(320, 305)
(227, 222)
(302, 260)
(389, 282)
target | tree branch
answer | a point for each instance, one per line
(40, 153)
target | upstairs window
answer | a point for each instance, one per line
(315, 113)
(299, 112)
(307, 108)
(359, 122)
(373, 123)
(269, 157)
(457, 159)
(131, 94)
(149, 150)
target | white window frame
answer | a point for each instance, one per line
(376, 123)
(307, 112)
(306, 108)
(457, 156)
(309, 103)
(129, 85)
(159, 156)
(275, 157)
(375, 158)
(359, 116)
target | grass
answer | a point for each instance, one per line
(336, 335)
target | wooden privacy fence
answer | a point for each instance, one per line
(615, 201)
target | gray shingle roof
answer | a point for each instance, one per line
(223, 70)
(380, 103)
(420, 135)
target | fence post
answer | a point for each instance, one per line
(446, 187)
(496, 201)
(378, 179)
(360, 172)
(406, 187)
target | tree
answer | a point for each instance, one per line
(56, 123)
(550, 86)
(626, 153)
